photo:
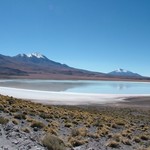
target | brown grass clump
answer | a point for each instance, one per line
(120, 122)
(77, 141)
(75, 122)
(79, 132)
(51, 130)
(75, 132)
(54, 124)
(45, 116)
(103, 131)
(144, 137)
(52, 142)
(97, 123)
(127, 133)
(20, 116)
(137, 139)
(37, 124)
(1, 107)
(126, 142)
(68, 125)
(3, 120)
(94, 135)
(117, 137)
(110, 135)
(6, 110)
(27, 130)
(113, 144)
(14, 109)
(15, 121)
(83, 131)
(115, 126)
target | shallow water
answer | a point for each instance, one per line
(78, 86)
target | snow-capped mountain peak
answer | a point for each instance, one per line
(37, 55)
(31, 55)
(121, 70)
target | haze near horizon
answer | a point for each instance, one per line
(94, 35)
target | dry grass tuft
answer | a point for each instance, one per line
(52, 142)
(77, 141)
(15, 121)
(137, 139)
(3, 120)
(113, 144)
(144, 137)
(37, 124)
(27, 130)
(126, 141)
(20, 116)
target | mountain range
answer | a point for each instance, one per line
(38, 66)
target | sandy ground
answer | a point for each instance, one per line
(137, 101)
(64, 98)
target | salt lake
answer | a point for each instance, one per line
(73, 92)
(80, 86)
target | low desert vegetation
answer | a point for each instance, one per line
(113, 144)
(3, 120)
(53, 143)
(78, 126)
(37, 124)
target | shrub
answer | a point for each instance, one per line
(37, 124)
(79, 131)
(126, 142)
(77, 142)
(113, 144)
(115, 126)
(20, 116)
(93, 135)
(103, 131)
(27, 130)
(120, 122)
(14, 121)
(117, 137)
(50, 130)
(68, 125)
(11, 100)
(53, 143)
(83, 131)
(45, 116)
(75, 132)
(1, 107)
(144, 137)
(3, 120)
(137, 139)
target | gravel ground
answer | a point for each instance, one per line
(80, 127)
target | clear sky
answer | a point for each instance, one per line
(98, 35)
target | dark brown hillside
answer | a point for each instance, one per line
(21, 65)
(37, 66)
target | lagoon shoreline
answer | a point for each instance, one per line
(68, 98)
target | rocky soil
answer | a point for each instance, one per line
(25, 125)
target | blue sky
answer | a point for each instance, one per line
(98, 35)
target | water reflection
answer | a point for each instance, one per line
(109, 87)
(121, 86)
(42, 85)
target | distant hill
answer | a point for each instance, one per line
(124, 73)
(38, 66)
